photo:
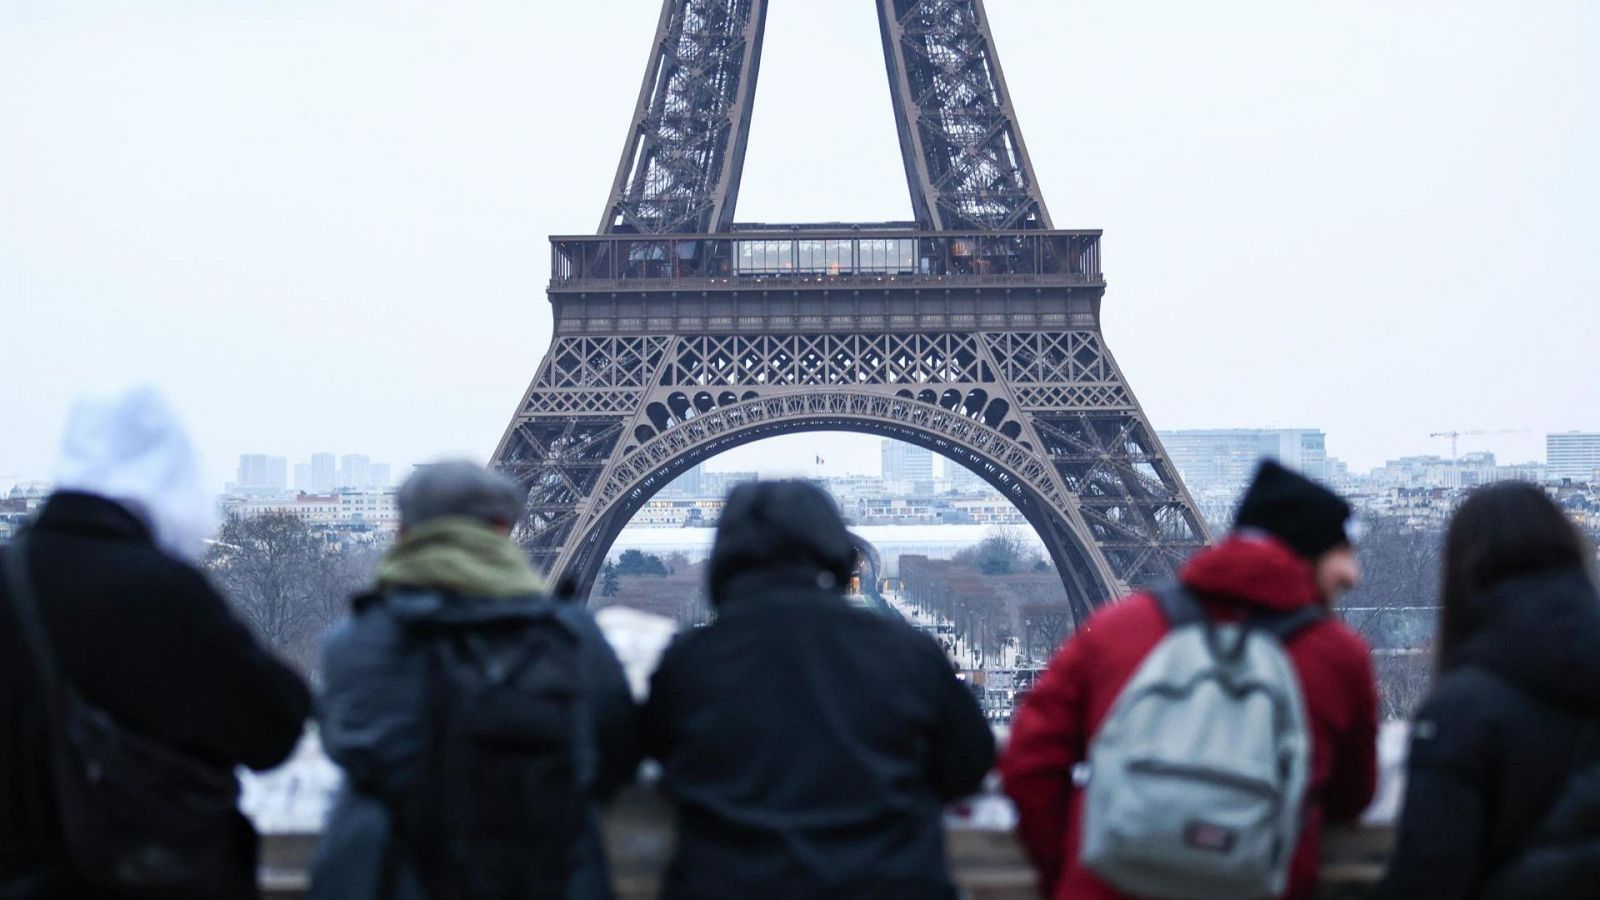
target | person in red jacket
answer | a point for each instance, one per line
(1289, 548)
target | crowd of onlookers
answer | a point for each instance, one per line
(1190, 740)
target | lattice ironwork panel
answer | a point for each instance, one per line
(1051, 358)
(965, 159)
(1105, 396)
(601, 362)
(1129, 495)
(680, 169)
(581, 401)
(559, 461)
(826, 360)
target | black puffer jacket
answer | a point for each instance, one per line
(146, 638)
(1564, 860)
(809, 746)
(1495, 746)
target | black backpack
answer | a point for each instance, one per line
(138, 817)
(499, 811)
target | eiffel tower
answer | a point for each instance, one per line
(973, 330)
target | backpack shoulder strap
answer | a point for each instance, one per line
(1179, 605)
(1286, 624)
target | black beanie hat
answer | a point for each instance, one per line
(1289, 506)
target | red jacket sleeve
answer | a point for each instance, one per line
(1353, 777)
(1049, 736)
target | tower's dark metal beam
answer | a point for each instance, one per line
(965, 161)
(684, 154)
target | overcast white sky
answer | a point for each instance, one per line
(322, 225)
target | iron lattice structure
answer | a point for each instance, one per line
(974, 331)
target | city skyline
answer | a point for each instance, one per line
(863, 455)
(378, 282)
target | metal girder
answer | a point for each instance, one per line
(684, 154)
(965, 161)
(966, 164)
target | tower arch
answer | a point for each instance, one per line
(1003, 463)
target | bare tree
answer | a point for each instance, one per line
(1002, 551)
(1395, 608)
(285, 580)
(1395, 604)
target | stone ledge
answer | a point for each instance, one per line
(987, 862)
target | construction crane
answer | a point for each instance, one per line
(1455, 436)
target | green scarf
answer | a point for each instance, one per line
(458, 555)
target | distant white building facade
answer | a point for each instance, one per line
(1216, 463)
(962, 480)
(1228, 456)
(259, 473)
(373, 509)
(1574, 456)
(907, 464)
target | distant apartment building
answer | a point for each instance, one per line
(1414, 472)
(896, 511)
(1573, 456)
(907, 465)
(324, 474)
(1436, 472)
(994, 510)
(19, 506)
(686, 512)
(259, 473)
(687, 484)
(962, 480)
(1216, 463)
(315, 509)
(1228, 456)
(368, 508)
(372, 506)
(847, 488)
(355, 470)
(718, 484)
(1538, 473)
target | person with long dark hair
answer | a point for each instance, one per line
(1510, 727)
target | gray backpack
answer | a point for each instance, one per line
(1196, 778)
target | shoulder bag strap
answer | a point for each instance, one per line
(25, 603)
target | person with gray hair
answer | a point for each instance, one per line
(477, 721)
(458, 488)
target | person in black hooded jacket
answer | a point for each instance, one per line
(1506, 736)
(136, 629)
(808, 746)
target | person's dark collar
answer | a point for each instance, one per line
(91, 515)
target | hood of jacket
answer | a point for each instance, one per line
(1253, 568)
(779, 535)
(1542, 633)
(458, 556)
(127, 445)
